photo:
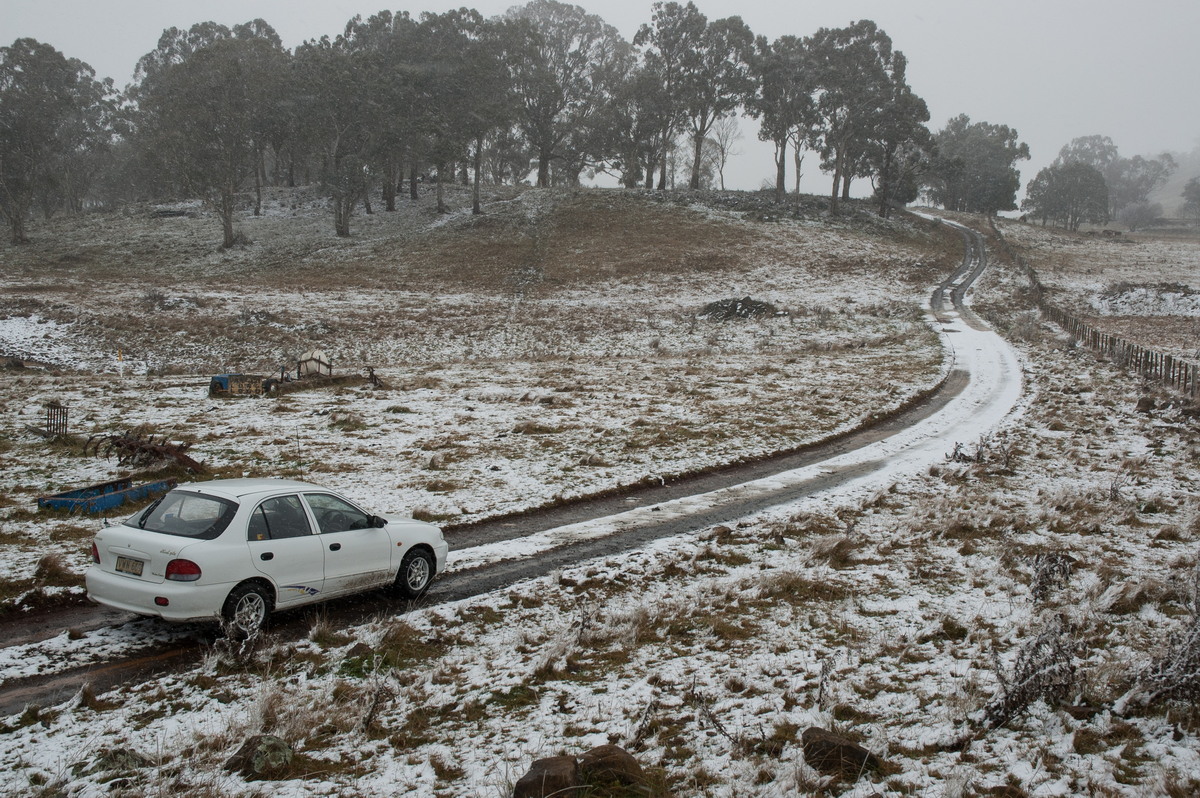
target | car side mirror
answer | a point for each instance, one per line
(377, 522)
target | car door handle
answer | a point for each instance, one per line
(335, 546)
(267, 555)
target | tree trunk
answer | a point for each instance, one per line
(476, 205)
(390, 177)
(412, 181)
(698, 143)
(543, 178)
(343, 204)
(17, 222)
(666, 147)
(837, 181)
(259, 176)
(780, 169)
(441, 198)
(798, 157)
(227, 230)
(224, 208)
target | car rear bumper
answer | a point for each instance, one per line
(186, 601)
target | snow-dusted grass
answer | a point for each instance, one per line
(525, 362)
(1142, 286)
(887, 618)
(895, 618)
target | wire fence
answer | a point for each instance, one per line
(1172, 372)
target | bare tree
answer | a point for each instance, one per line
(725, 134)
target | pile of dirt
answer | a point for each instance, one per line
(744, 308)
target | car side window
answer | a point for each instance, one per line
(334, 514)
(277, 518)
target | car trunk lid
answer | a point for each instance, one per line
(137, 553)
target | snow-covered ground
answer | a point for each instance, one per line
(889, 611)
(1142, 286)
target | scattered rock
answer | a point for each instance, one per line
(835, 755)
(118, 760)
(263, 756)
(1082, 711)
(359, 651)
(554, 775)
(607, 764)
(744, 308)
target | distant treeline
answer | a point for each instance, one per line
(546, 89)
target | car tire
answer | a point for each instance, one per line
(246, 609)
(416, 574)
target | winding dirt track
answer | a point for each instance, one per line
(982, 387)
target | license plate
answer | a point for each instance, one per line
(128, 565)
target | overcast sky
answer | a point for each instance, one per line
(1051, 69)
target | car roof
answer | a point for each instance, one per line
(237, 488)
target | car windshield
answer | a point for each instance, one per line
(189, 515)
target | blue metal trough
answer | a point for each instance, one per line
(103, 496)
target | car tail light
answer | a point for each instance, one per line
(183, 571)
(95, 553)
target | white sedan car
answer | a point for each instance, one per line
(239, 549)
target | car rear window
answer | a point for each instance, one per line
(187, 514)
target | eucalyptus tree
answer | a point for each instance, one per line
(338, 102)
(384, 49)
(174, 47)
(782, 101)
(717, 81)
(1099, 152)
(898, 146)
(1069, 194)
(54, 115)
(668, 45)
(857, 74)
(633, 122)
(1130, 181)
(703, 70)
(465, 88)
(272, 106)
(1134, 179)
(569, 68)
(1191, 198)
(975, 167)
(203, 99)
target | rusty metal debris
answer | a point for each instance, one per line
(137, 448)
(375, 379)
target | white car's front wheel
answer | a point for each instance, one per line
(246, 609)
(416, 573)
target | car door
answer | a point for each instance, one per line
(357, 554)
(283, 546)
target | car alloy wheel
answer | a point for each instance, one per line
(247, 609)
(416, 572)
